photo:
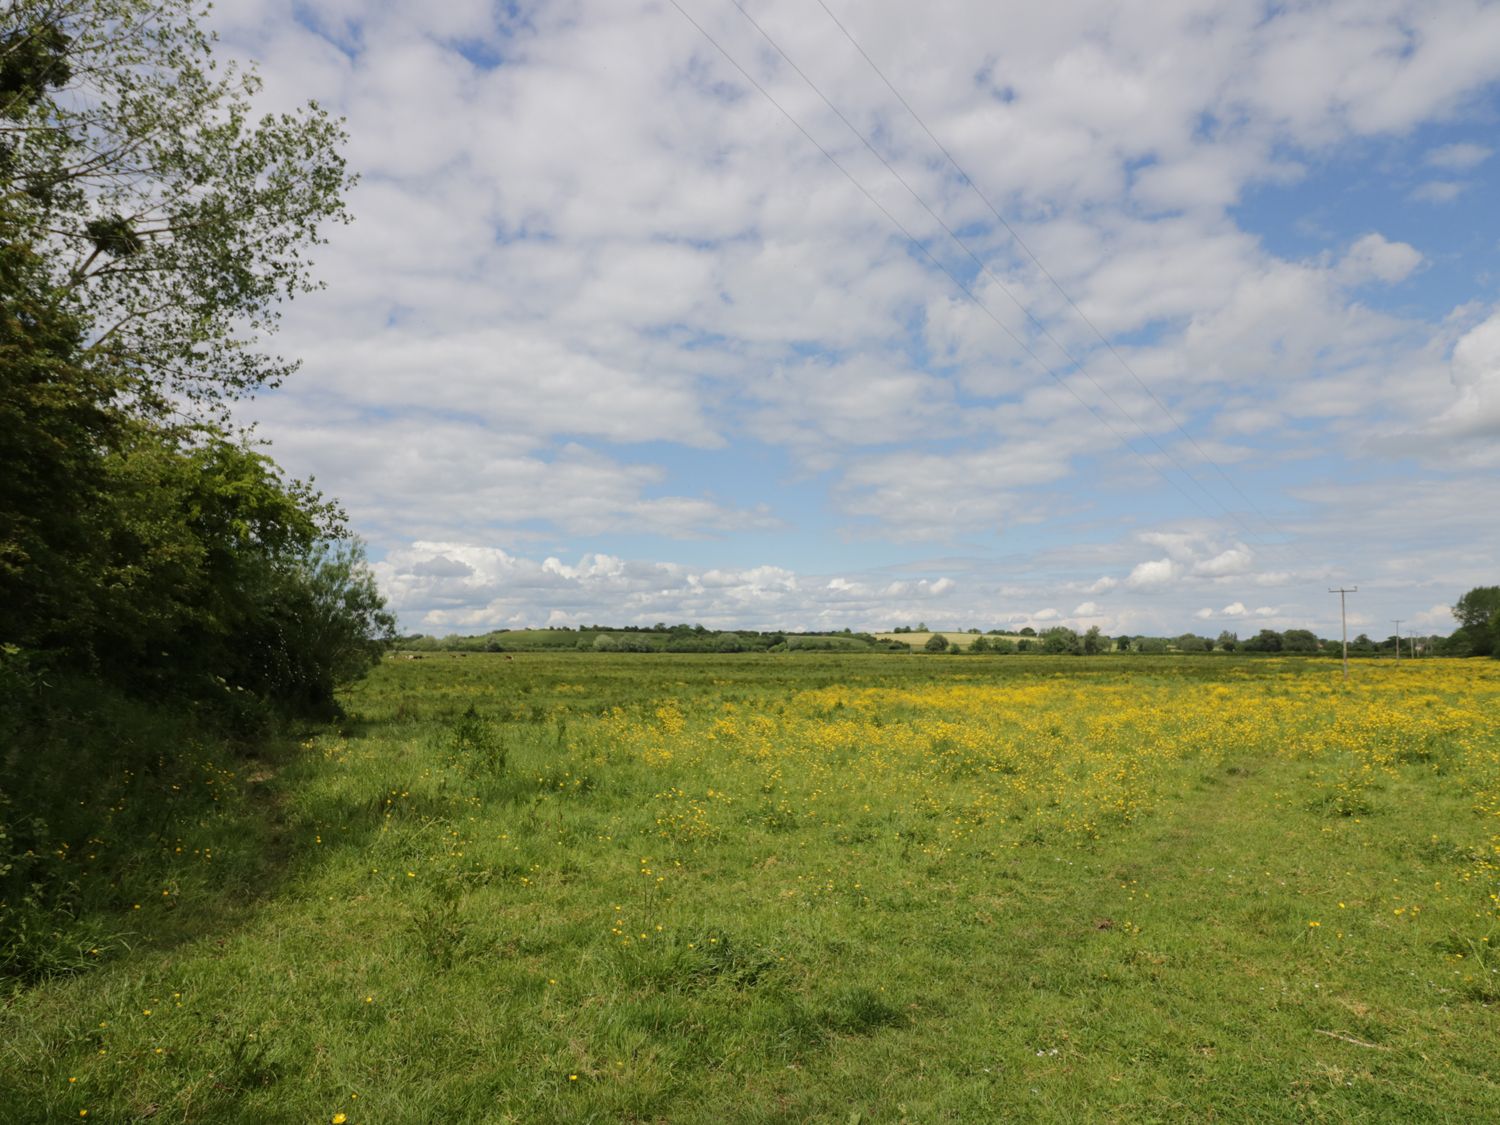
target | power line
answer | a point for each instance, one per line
(985, 269)
(915, 241)
(1019, 241)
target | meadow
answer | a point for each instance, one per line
(783, 888)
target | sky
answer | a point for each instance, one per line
(816, 314)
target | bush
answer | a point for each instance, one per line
(937, 643)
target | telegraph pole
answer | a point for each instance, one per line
(1344, 620)
(1397, 621)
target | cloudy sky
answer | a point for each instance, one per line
(823, 313)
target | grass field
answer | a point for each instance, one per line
(919, 640)
(569, 887)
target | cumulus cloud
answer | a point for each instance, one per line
(1151, 575)
(600, 297)
(1438, 191)
(1374, 258)
(467, 587)
(1459, 157)
(1476, 378)
(1234, 560)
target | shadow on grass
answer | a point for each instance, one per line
(125, 825)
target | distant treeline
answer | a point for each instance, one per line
(653, 638)
(1057, 640)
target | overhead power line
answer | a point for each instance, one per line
(984, 268)
(1020, 242)
(957, 281)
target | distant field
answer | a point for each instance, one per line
(566, 887)
(918, 640)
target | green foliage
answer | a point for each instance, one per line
(1094, 642)
(476, 746)
(170, 221)
(1267, 640)
(1478, 614)
(147, 224)
(1477, 607)
(1299, 640)
(936, 643)
(1061, 639)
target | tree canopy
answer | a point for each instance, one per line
(1478, 615)
(150, 226)
(167, 220)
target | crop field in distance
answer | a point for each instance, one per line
(647, 888)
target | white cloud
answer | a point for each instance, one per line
(465, 587)
(1476, 377)
(1373, 258)
(1235, 560)
(1438, 191)
(603, 296)
(1151, 575)
(1438, 617)
(1460, 157)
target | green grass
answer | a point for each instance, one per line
(470, 902)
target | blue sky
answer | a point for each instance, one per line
(612, 340)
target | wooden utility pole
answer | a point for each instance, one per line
(1344, 620)
(1397, 621)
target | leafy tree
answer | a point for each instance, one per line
(1478, 607)
(1094, 642)
(1299, 640)
(1478, 614)
(1061, 639)
(936, 643)
(149, 229)
(1191, 642)
(168, 219)
(1228, 641)
(1122, 643)
(1267, 640)
(1004, 645)
(980, 645)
